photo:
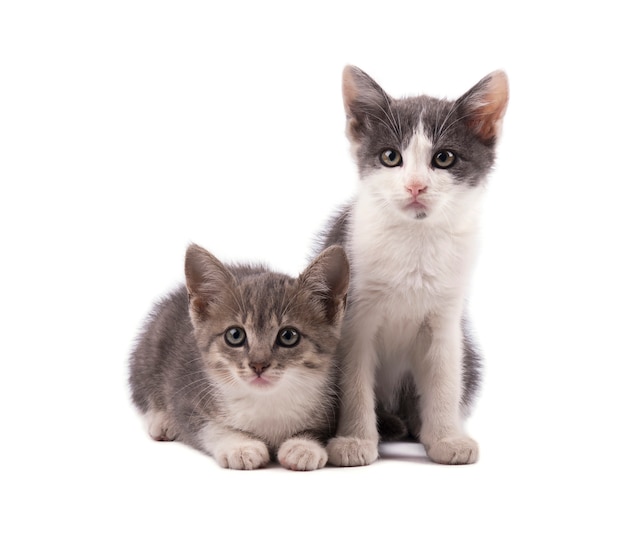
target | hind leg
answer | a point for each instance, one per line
(390, 426)
(414, 423)
(160, 426)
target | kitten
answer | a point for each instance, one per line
(240, 364)
(410, 236)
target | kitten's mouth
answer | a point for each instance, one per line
(260, 382)
(416, 209)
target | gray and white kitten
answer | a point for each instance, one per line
(410, 236)
(240, 363)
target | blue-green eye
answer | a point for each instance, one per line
(235, 336)
(391, 158)
(444, 159)
(288, 337)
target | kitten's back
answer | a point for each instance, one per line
(166, 337)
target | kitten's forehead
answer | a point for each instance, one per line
(431, 124)
(264, 298)
(404, 117)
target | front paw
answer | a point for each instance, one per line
(351, 452)
(456, 450)
(300, 454)
(246, 455)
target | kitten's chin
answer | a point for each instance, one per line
(414, 210)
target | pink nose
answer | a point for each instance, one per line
(259, 367)
(416, 189)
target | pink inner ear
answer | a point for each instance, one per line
(349, 89)
(487, 115)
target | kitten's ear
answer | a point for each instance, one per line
(362, 99)
(207, 278)
(327, 277)
(484, 105)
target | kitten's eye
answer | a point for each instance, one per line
(391, 158)
(444, 159)
(235, 336)
(288, 337)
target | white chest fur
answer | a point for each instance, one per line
(404, 273)
(280, 412)
(408, 268)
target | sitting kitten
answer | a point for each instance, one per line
(240, 364)
(410, 235)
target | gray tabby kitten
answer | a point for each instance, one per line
(240, 363)
(410, 235)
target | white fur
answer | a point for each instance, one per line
(273, 414)
(277, 412)
(301, 454)
(233, 449)
(409, 279)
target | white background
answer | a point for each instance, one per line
(130, 129)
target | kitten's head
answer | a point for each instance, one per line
(259, 330)
(423, 157)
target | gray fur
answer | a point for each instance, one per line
(182, 362)
(380, 121)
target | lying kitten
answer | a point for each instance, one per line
(410, 236)
(240, 364)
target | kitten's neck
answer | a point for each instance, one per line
(389, 248)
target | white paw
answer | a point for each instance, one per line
(351, 452)
(301, 454)
(454, 450)
(245, 455)
(160, 427)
